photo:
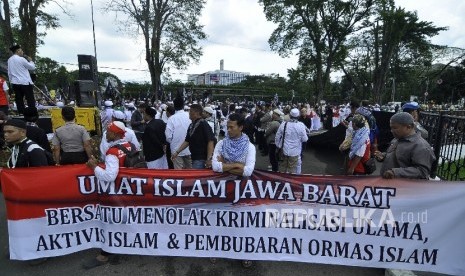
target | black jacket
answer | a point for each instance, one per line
(30, 155)
(154, 139)
(38, 136)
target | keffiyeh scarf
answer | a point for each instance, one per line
(235, 150)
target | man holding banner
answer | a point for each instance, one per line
(24, 153)
(409, 155)
(114, 159)
(235, 153)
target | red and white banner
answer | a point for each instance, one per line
(357, 221)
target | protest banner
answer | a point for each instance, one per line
(356, 221)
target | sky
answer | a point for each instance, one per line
(237, 31)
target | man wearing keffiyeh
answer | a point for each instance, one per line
(235, 153)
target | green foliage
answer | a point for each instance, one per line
(50, 73)
(21, 20)
(171, 32)
(451, 87)
(392, 57)
(136, 90)
(452, 171)
(318, 30)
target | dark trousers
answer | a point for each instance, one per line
(21, 91)
(261, 141)
(68, 158)
(168, 157)
(304, 147)
(273, 157)
(4, 109)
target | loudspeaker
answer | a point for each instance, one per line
(86, 93)
(88, 68)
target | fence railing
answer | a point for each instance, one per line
(446, 133)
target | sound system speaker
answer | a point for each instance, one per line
(86, 93)
(87, 68)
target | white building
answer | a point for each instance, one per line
(217, 77)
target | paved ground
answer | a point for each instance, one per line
(320, 161)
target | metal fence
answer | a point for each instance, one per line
(446, 133)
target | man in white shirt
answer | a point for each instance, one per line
(106, 114)
(210, 117)
(176, 131)
(161, 113)
(20, 79)
(114, 159)
(234, 154)
(294, 134)
(129, 136)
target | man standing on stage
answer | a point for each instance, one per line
(20, 79)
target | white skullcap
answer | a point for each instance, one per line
(294, 113)
(209, 110)
(118, 115)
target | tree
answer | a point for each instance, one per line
(394, 55)
(19, 24)
(318, 29)
(6, 28)
(170, 29)
(300, 82)
(398, 32)
(50, 73)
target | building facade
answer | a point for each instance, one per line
(217, 77)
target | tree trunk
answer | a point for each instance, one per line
(5, 25)
(28, 34)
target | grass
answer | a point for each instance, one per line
(454, 171)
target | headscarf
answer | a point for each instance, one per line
(117, 127)
(361, 135)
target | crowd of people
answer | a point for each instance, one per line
(223, 137)
(183, 135)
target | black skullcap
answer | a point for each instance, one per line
(15, 47)
(150, 111)
(402, 118)
(16, 123)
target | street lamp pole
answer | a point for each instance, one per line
(93, 28)
(393, 89)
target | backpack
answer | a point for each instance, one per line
(133, 158)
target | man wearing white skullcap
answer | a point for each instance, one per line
(129, 136)
(106, 114)
(289, 138)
